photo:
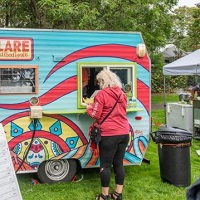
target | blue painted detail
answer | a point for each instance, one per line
(70, 154)
(40, 156)
(34, 163)
(15, 130)
(144, 140)
(72, 141)
(98, 162)
(55, 149)
(18, 148)
(136, 146)
(132, 158)
(86, 157)
(31, 156)
(143, 75)
(38, 126)
(56, 128)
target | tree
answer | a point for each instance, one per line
(150, 17)
(194, 30)
(185, 30)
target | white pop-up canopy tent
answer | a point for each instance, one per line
(187, 65)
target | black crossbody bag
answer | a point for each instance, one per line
(95, 133)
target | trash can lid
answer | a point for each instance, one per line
(172, 135)
(173, 130)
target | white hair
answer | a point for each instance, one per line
(110, 79)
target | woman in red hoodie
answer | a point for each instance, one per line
(114, 131)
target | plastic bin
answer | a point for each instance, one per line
(174, 155)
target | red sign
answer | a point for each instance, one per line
(16, 49)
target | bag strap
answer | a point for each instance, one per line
(110, 110)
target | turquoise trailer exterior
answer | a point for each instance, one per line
(41, 92)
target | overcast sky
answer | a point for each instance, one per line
(188, 3)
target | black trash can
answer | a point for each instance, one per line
(174, 155)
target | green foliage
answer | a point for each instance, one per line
(176, 82)
(194, 30)
(186, 26)
(157, 81)
(185, 35)
(151, 18)
(171, 83)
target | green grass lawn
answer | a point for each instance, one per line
(142, 182)
(159, 98)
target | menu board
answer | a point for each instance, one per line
(9, 188)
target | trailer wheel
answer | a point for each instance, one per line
(52, 171)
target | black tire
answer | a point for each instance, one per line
(53, 171)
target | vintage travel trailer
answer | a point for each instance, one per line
(42, 86)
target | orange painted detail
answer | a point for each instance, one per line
(142, 147)
(80, 152)
(93, 160)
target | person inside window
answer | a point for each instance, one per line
(85, 80)
(196, 91)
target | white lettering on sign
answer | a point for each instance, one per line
(16, 49)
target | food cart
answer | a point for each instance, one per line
(42, 90)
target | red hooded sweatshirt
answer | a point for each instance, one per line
(117, 122)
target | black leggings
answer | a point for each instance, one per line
(112, 150)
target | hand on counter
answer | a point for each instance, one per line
(88, 101)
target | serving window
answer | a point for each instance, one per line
(17, 79)
(87, 83)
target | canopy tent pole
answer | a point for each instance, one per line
(196, 75)
(165, 101)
